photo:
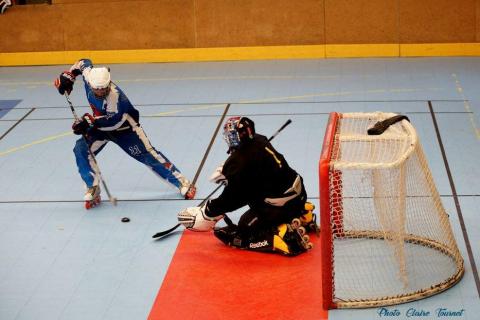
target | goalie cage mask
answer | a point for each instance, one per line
(238, 130)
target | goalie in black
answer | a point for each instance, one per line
(255, 174)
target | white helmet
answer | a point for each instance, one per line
(99, 78)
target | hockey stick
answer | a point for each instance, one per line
(226, 218)
(281, 128)
(112, 199)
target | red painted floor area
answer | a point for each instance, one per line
(208, 280)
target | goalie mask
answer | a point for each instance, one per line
(99, 80)
(238, 130)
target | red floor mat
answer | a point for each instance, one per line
(208, 281)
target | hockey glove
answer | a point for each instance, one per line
(195, 219)
(217, 176)
(64, 82)
(82, 125)
(4, 5)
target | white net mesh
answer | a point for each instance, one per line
(391, 237)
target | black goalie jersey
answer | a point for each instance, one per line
(258, 176)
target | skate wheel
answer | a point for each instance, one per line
(306, 238)
(296, 223)
(302, 231)
(309, 246)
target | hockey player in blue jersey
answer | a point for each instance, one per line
(113, 119)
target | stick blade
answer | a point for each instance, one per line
(163, 233)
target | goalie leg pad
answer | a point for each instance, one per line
(232, 236)
(283, 240)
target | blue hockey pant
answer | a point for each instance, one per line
(134, 142)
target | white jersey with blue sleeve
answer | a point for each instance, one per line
(112, 112)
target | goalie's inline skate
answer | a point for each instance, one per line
(296, 226)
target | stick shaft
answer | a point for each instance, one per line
(281, 128)
(211, 194)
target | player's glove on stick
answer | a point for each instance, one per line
(64, 82)
(82, 125)
(196, 219)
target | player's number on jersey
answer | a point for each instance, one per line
(134, 150)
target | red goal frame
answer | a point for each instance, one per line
(326, 202)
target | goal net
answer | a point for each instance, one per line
(386, 238)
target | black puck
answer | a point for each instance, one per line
(125, 219)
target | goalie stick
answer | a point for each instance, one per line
(226, 218)
(112, 199)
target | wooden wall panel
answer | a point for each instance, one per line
(437, 21)
(477, 20)
(31, 28)
(225, 23)
(160, 24)
(129, 25)
(361, 21)
(82, 1)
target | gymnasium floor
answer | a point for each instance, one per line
(59, 261)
